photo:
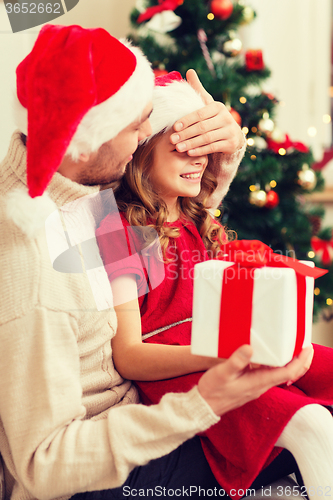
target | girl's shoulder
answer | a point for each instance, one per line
(114, 220)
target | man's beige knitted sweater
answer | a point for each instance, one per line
(68, 421)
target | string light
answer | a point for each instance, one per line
(316, 291)
(312, 131)
(254, 129)
(272, 184)
(245, 130)
(253, 188)
(329, 302)
(282, 151)
(250, 141)
(311, 254)
(265, 115)
(253, 157)
(243, 100)
(327, 119)
(210, 16)
(217, 213)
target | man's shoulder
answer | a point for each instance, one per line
(19, 267)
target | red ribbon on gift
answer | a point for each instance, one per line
(151, 11)
(248, 255)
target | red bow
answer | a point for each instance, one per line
(286, 144)
(151, 11)
(254, 253)
(324, 246)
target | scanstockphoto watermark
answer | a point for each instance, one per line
(180, 264)
(190, 491)
(292, 491)
(28, 14)
(74, 248)
(233, 272)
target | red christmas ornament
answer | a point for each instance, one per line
(270, 96)
(254, 60)
(324, 249)
(222, 8)
(236, 116)
(272, 199)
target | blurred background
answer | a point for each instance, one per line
(294, 42)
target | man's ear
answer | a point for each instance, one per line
(84, 157)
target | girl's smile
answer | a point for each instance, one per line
(194, 176)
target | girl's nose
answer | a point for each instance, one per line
(200, 160)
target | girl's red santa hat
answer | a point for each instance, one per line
(77, 89)
(173, 98)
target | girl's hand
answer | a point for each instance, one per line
(211, 129)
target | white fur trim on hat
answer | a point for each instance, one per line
(171, 102)
(29, 214)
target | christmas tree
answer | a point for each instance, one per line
(267, 198)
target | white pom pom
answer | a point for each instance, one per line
(29, 214)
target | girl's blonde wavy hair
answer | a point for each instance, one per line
(143, 207)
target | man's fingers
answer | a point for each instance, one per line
(229, 385)
(293, 370)
(210, 129)
(238, 361)
(193, 148)
(199, 129)
(207, 139)
(193, 80)
(209, 111)
(302, 364)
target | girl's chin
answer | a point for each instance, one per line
(190, 193)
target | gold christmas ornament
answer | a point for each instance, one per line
(232, 47)
(248, 15)
(307, 178)
(258, 198)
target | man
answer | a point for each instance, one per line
(69, 422)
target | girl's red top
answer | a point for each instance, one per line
(242, 443)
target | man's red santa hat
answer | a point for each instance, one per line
(77, 89)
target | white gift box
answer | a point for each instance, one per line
(273, 328)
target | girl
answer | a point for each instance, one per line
(169, 192)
